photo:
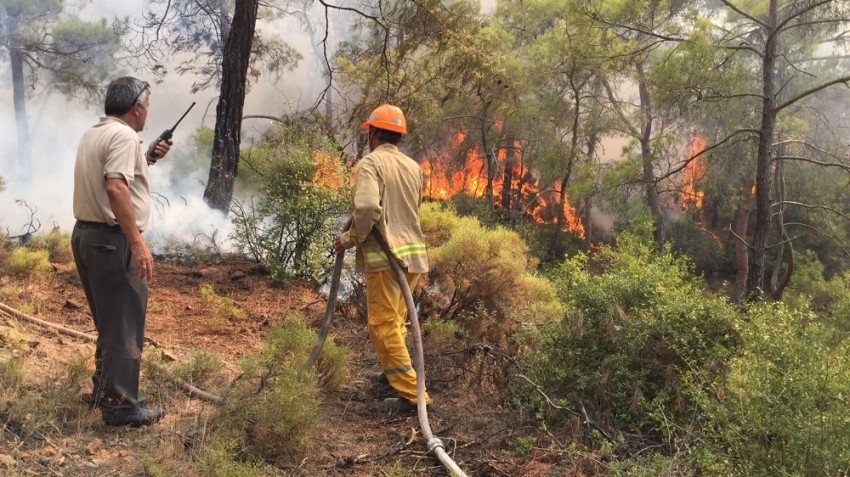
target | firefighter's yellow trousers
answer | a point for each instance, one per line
(387, 312)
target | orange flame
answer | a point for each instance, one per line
(693, 174)
(444, 181)
(328, 174)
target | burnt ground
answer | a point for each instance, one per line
(355, 438)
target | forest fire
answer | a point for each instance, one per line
(328, 173)
(445, 180)
(693, 174)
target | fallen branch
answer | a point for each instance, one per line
(191, 390)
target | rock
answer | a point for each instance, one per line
(94, 446)
(72, 305)
(237, 275)
(166, 356)
(7, 460)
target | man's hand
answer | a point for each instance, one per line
(161, 148)
(338, 246)
(142, 259)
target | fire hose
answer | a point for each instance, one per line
(433, 443)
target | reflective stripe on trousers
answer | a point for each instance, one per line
(387, 314)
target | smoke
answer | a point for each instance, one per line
(180, 215)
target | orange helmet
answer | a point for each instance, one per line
(388, 117)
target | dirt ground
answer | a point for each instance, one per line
(356, 437)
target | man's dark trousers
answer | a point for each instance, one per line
(117, 298)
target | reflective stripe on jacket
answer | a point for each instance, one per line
(387, 194)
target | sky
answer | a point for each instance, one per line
(57, 123)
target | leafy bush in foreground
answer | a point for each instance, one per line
(637, 335)
(484, 277)
(712, 390)
(271, 411)
(782, 408)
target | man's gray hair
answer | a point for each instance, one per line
(122, 94)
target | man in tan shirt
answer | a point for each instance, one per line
(112, 205)
(387, 195)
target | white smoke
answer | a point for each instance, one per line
(180, 214)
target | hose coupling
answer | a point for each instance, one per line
(433, 443)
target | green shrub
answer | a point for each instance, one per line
(637, 332)
(203, 369)
(705, 250)
(484, 278)
(57, 244)
(222, 307)
(303, 187)
(271, 410)
(222, 460)
(443, 331)
(42, 408)
(782, 408)
(30, 263)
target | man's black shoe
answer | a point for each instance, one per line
(397, 405)
(378, 377)
(133, 417)
(92, 402)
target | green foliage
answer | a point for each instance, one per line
(443, 331)
(222, 460)
(203, 369)
(524, 444)
(396, 469)
(438, 221)
(40, 408)
(782, 408)
(271, 410)
(12, 373)
(221, 307)
(332, 365)
(57, 244)
(30, 263)
(303, 187)
(153, 469)
(485, 279)
(637, 331)
(703, 248)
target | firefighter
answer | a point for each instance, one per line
(387, 195)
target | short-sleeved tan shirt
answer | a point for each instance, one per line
(112, 148)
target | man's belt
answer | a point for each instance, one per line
(99, 226)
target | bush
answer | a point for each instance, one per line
(30, 263)
(706, 251)
(782, 408)
(271, 410)
(39, 409)
(303, 188)
(484, 278)
(638, 334)
(57, 244)
(221, 307)
(202, 369)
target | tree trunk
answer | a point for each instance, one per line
(755, 280)
(22, 167)
(228, 124)
(588, 201)
(648, 172)
(742, 217)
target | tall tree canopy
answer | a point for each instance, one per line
(46, 46)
